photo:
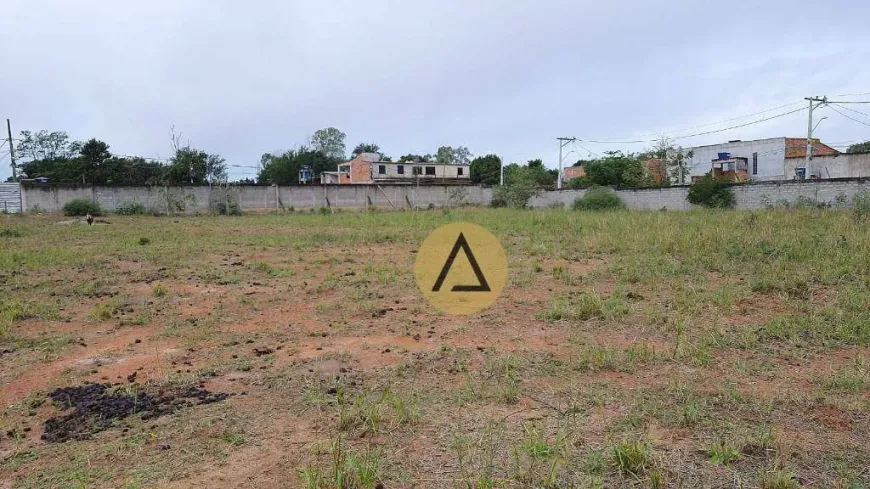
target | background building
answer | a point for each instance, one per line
(367, 168)
(766, 159)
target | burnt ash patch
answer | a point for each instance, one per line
(97, 407)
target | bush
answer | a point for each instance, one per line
(598, 199)
(81, 207)
(710, 192)
(231, 209)
(131, 209)
(516, 195)
(861, 206)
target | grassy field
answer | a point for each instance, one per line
(629, 349)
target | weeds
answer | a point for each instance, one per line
(777, 478)
(721, 453)
(348, 469)
(632, 457)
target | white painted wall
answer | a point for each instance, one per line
(771, 157)
(840, 166)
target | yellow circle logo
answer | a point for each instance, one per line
(461, 268)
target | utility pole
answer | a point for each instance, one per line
(562, 143)
(812, 100)
(11, 151)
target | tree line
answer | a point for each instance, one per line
(53, 155)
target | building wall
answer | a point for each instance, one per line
(571, 172)
(840, 166)
(771, 155)
(360, 171)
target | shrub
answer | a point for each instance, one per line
(861, 206)
(597, 199)
(131, 209)
(9, 233)
(229, 209)
(81, 207)
(516, 195)
(711, 192)
(579, 182)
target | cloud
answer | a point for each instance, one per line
(241, 79)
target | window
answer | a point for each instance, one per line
(400, 169)
(755, 163)
(344, 168)
(382, 169)
(418, 170)
(459, 171)
(430, 170)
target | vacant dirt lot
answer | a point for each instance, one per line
(629, 349)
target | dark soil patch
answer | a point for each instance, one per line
(97, 407)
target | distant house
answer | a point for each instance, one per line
(367, 168)
(572, 172)
(762, 159)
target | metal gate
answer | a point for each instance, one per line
(10, 198)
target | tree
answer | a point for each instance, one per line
(95, 151)
(618, 169)
(459, 155)
(284, 169)
(365, 148)
(533, 172)
(675, 158)
(53, 156)
(195, 167)
(486, 170)
(45, 145)
(329, 141)
(520, 186)
(541, 174)
(859, 148)
(413, 158)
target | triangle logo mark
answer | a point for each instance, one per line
(462, 244)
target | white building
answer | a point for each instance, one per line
(768, 159)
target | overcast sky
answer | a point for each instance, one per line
(507, 76)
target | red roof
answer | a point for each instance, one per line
(797, 148)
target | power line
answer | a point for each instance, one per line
(852, 110)
(586, 149)
(600, 141)
(848, 116)
(852, 94)
(712, 123)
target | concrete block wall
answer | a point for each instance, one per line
(254, 198)
(257, 198)
(672, 198)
